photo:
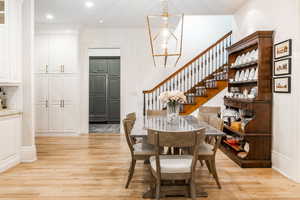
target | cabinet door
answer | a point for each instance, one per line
(9, 137)
(56, 121)
(70, 90)
(41, 118)
(70, 118)
(63, 54)
(41, 53)
(70, 62)
(56, 89)
(41, 89)
(4, 68)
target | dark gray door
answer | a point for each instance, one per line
(104, 89)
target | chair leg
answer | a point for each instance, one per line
(208, 165)
(157, 190)
(131, 170)
(214, 172)
(192, 189)
(201, 163)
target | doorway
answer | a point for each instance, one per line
(104, 94)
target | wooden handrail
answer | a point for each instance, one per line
(188, 64)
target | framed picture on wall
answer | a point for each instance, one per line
(283, 49)
(282, 85)
(282, 67)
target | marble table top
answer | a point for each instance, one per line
(160, 123)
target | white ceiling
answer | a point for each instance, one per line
(125, 13)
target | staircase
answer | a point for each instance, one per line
(200, 79)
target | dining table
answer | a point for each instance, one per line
(181, 124)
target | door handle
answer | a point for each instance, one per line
(63, 68)
(46, 68)
(60, 103)
(47, 104)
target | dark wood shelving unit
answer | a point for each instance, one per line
(257, 133)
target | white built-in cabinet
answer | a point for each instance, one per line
(10, 141)
(56, 53)
(56, 84)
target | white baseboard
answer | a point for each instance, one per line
(9, 162)
(56, 134)
(28, 153)
(283, 165)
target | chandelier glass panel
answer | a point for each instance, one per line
(165, 33)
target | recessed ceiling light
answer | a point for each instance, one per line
(49, 16)
(89, 4)
(101, 21)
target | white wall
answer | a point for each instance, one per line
(137, 70)
(282, 16)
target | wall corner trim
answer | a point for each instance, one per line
(28, 154)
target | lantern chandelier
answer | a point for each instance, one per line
(165, 33)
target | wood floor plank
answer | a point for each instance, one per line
(95, 168)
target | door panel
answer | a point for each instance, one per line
(41, 89)
(114, 67)
(42, 53)
(98, 86)
(56, 120)
(70, 121)
(114, 88)
(114, 110)
(56, 89)
(70, 90)
(41, 118)
(98, 65)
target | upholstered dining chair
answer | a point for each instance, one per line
(138, 151)
(156, 112)
(207, 151)
(175, 167)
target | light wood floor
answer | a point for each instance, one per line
(95, 168)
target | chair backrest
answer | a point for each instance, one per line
(131, 116)
(186, 139)
(128, 125)
(156, 113)
(217, 123)
(206, 112)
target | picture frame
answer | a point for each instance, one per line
(282, 67)
(283, 49)
(282, 85)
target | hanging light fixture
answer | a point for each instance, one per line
(165, 33)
